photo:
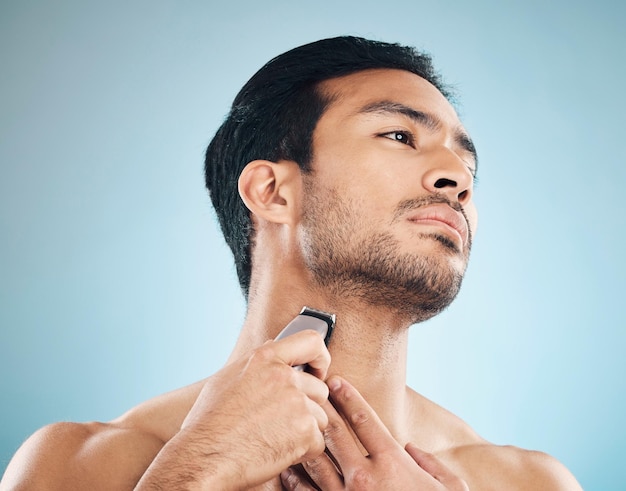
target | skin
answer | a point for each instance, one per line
(257, 423)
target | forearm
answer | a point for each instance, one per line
(185, 464)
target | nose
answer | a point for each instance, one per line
(450, 176)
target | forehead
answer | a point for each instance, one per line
(350, 93)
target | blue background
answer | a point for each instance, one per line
(115, 285)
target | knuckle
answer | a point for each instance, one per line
(317, 447)
(314, 339)
(310, 448)
(281, 377)
(343, 394)
(322, 424)
(306, 426)
(332, 429)
(314, 464)
(286, 375)
(324, 391)
(359, 418)
(311, 336)
(361, 478)
(319, 469)
(300, 486)
(261, 355)
(292, 481)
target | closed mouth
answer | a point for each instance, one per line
(444, 216)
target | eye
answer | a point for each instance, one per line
(473, 170)
(401, 136)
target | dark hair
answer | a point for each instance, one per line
(274, 115)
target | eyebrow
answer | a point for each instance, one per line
(429, 121)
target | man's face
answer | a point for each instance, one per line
(387, 211)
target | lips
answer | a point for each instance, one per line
(443, 216)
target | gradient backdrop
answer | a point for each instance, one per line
(115, 285)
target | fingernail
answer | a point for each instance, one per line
(334, 384)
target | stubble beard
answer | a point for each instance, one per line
(370, 268)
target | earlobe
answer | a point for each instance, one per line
(267, 189)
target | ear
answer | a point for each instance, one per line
(270, 190)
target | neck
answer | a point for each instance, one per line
(370, 353)
(368, 346)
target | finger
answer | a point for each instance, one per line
(323, 472)
(305, 347)
(293, 481)
(313, 387)
(339, 440)
(319, 414)
(367, 426)
(435, 467)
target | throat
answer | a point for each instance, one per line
(372, 357)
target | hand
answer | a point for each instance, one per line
(385, 465)
(252, 419)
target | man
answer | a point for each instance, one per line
(343, 180)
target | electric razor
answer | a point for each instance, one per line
(309, 318)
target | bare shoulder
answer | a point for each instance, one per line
(491, 467)
(94, 456)
(483, 465)
(81, 456)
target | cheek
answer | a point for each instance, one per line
(472, 217)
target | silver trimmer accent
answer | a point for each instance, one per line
(309, 318)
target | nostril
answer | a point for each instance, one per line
(443, 182)
(463, 195)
